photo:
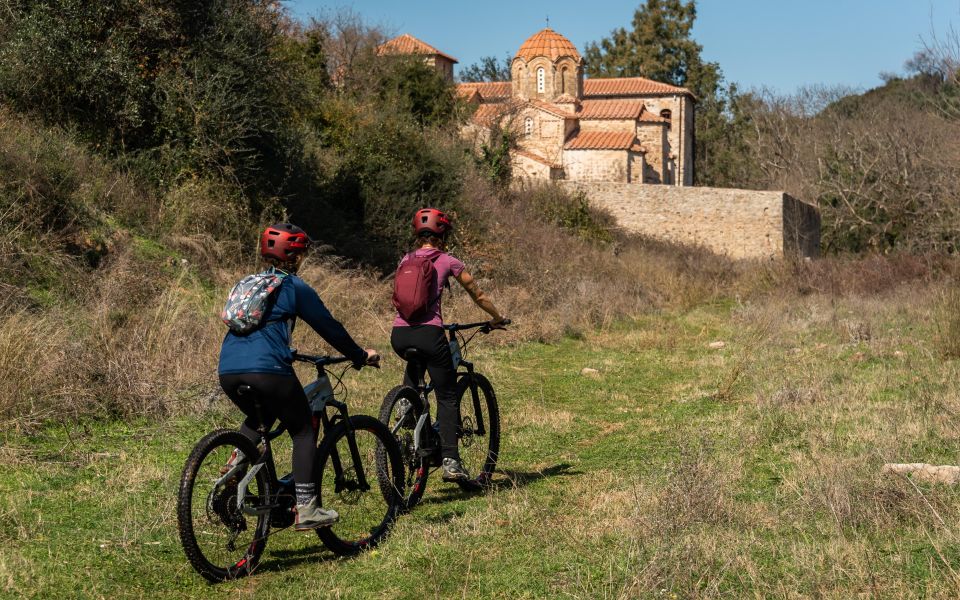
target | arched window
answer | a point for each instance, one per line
(666, 114)
(527, 127)
(563, 80)
(541, 80)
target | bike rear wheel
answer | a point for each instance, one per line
(400, 410)
(369, 505)
(478, 435)
(220, 539)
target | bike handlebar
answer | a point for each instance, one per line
(324, 361)
(459, 327)
(320, 361)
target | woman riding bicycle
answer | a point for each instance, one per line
(425, 333)
(262, 359)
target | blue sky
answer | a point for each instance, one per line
(780, 44)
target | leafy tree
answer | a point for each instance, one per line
(419, 90)
(196, 85)
(494, 158)
(660, 47)
(488, 69)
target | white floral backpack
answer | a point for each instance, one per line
(247, 301)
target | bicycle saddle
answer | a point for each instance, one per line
(413, 355)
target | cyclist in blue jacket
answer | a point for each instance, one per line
(263, 360)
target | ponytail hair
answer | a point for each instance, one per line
(427, 237)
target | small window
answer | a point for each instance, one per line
(527, 127)
(541, 80)
(563, 80)
(666, 114)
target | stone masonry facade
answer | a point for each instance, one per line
(629, 129)
(742, 224)
(610, 139)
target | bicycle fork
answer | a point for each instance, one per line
(341, 483)
(478, 428)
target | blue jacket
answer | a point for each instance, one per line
(267, 349)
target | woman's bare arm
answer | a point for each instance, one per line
(481, 300)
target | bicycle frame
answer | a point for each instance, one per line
(327, 421)
(265, 460)
(463, 368)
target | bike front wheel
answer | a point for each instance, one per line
(362, 480)
(222, 517)
(478, 435)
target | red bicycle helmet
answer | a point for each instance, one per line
(283, 241)
(432, 221)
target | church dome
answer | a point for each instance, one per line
(550, 44)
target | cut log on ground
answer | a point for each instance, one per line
(948, 474)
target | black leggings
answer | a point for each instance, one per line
(281, 397)
(430, 341)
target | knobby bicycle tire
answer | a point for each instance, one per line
(470, 419)
(219, 505)
(361, 525)
(417, 468)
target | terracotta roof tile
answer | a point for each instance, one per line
(604, 140)
(489, 90)
(407, 44)
(549, 43)
(593, 89)
(489, 114)
(611, 109)
(468, 95)
(538, 159)
(553, 109)
(629, 86)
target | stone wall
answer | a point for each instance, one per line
(595, 165)
(738, 223)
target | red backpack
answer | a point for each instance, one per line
(411, 286)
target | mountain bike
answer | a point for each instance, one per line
(230, 496)
(406, 411)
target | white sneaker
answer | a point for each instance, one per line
(311, 516)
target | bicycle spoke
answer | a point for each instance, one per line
(220, 536)
(364, 486)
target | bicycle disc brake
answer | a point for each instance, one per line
(347, 486)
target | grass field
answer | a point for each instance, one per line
(678, 470)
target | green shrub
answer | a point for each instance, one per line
(570, 211)
(186, 88)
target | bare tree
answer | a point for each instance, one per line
(885, 172)
(939, 59)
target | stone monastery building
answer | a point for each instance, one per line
(627, 130)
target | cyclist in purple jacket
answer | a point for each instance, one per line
(431, 228)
